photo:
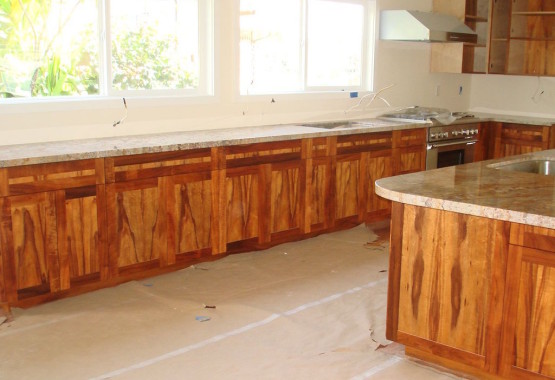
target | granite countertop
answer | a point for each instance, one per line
(47, 152)
(40, 153)
(480, 189)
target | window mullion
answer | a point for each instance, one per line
(105, 48)
(304, 45)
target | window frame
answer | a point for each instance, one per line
(205, 89)
(367, 54)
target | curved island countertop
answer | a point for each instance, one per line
(480, 189)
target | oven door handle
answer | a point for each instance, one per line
(439, 145)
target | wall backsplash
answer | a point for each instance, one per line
(533, 96)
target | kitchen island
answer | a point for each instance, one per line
(472, 267)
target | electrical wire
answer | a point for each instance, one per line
(124, 116)
(375, 95)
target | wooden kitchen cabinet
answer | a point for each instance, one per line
(512, 139)
(442, 301)
(522, 38)
(360, 161)
(75, 226)
(473, 294)
(319, 197)
(52, 227)
(159, 208)
(530, 300)
(463, 57)
(409, 151)
(264, 187)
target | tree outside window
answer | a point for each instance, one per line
(57, 47)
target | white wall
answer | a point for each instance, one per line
(405, 64)
(534, 96)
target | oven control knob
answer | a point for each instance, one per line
(466, 132)
(433, 135)
(455, 133)
(475, 131)
(445, 135)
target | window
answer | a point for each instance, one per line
(104, 47)
(303, 45)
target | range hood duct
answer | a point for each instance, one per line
(403, 25)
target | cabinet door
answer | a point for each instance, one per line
(445, 282)
(242, 204)
(159, 209)
(409, 151)
(380, 165)
(263, 188)
(514, 139)
(189, 199)
(34, 238)
(136, 215)
(354, 171)
(287, 186)
(528, 344)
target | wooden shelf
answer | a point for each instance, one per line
(534, 13)
(533, 39)
(476, 18)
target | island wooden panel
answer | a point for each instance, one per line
(473, 294)
(446, 274)
(534, 332)
(529, 334)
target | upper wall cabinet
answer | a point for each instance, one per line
(463, 57)
(523, 37)
(514, 37)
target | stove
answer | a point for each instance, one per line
(450, 142)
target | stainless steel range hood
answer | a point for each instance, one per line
(403, 25)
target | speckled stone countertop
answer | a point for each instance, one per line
(47, 152)
(480, 189)
(40, 153)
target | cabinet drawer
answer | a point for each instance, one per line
(154, 165)
(364, 142)
(533, 237)
(31, 179)
(262, 153)
(409, 137)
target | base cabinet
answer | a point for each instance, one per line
(528, 334)
(75, 226)
(52, 235)
(513, 139)
(472, 293)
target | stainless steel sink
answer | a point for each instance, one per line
(345, 124)
(544, 167)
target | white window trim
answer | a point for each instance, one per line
(324, 92)
(203, 94)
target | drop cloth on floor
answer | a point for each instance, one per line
(304, 310)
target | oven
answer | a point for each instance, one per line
(450, 145)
